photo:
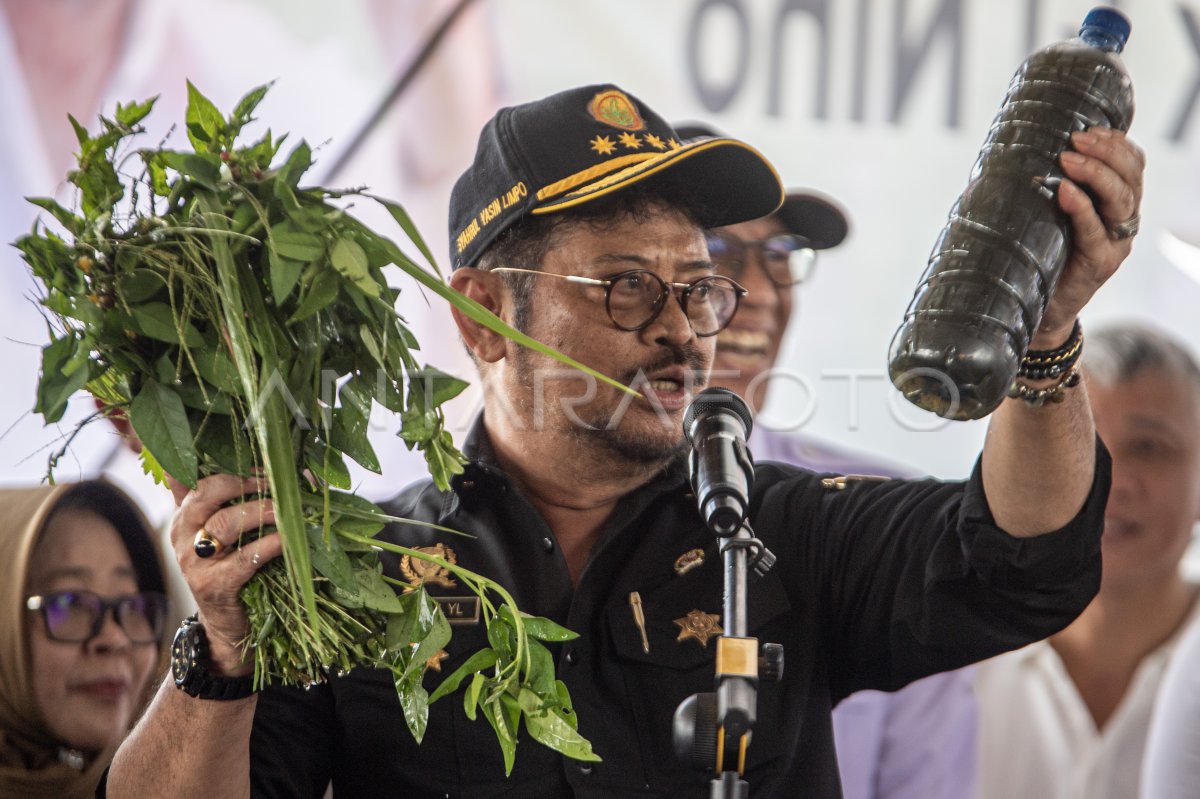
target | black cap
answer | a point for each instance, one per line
(553, 154)
(804, 213)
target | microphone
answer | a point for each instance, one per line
(717, 424)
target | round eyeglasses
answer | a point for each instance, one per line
(78, 616)
(787, 259)
(635, 298)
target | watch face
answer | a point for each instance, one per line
(183, 653)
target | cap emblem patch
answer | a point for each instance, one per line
(615, 108)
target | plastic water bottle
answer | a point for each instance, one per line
(998, 259)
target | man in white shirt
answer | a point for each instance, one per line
(1067, 718)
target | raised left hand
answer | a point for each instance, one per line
(1111, 167)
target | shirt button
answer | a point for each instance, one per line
(570, 657)
(548, 544)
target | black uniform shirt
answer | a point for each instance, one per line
(876, 585)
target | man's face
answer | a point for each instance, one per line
(749, 346)
(1151, 425)
(665, 361)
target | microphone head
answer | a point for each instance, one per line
(716, 399)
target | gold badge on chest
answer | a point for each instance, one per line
(700, 626)
(418, 571)
(689, 560)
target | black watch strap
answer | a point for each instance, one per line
(190, 662)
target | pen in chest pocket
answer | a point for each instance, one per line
(635, 602)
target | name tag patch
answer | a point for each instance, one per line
(460, 609)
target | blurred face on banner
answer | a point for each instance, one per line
(1151, 425)
(86, 691)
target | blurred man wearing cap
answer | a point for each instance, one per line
(916, 743)
(582, 219)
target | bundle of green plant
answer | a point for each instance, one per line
(243, 323)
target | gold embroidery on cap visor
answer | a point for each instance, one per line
(640, 166)
(583, 176)
(494, 208)
(614, 108)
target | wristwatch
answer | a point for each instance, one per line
(189, 667)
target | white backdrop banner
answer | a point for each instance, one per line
(881, 104)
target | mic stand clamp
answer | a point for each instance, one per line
(712, 731)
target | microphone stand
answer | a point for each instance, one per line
(712, 731)
(737, 665)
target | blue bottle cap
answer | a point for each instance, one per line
(1110, 21)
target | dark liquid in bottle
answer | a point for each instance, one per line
(1002, 251)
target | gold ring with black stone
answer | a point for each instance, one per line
(205, 544)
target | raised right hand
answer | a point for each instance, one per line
(216, 581)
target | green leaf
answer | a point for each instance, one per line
(133, 113)
(220, 445)
(504, 713)
(501, 637)
(354, 514)
(548, 727)
(412, 623)
(203, 168)
(206, 399)
(160, 421)
(139, 285)
(434, 387)
(205, 125)
(68, 220)
(406, 224)
(296, 165)
(52, 261)
(471, 695)
(99, 187)
(415, 702)
(543, 629)
(372, 345)
(158, 175)
(158, 321)
(215, 366)
(285, 273)
(349, 434)
(540, 674)
(292, 242)
(481, 660)
(433, 641)
(320, 293)
(152, 467)
(331, 561)
(327, 464)
(56, 384)
(245, 106)
(350, 261)
(563, 697)
(356, 393)
(81, 133)
(74, 308)
(375, 593)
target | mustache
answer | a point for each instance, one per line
(689, 356)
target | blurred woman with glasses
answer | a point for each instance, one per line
(81, 633)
